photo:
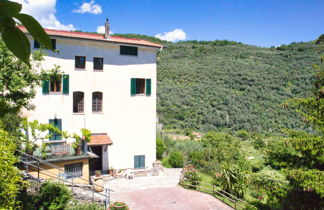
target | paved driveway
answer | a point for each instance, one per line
(161, 192)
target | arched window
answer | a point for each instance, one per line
(97, 101)
(78, 102)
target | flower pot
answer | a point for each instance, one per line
(118, 206)
(78, 150)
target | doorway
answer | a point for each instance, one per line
(96, 163)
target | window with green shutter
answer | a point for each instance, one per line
(139, 161)
(141, 86)
(57, 123)
(57, 84)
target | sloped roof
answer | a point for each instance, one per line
(98, 37)
(100, 139)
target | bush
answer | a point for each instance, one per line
(191, 174)
(85, 206)
(176, 159)
(160, 148)
(10, 177)
(53, 195)
(242, 134)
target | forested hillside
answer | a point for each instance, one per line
(222, 84)
(215, 85)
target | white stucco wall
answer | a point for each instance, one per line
(129, 121)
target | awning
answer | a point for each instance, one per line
(100, 139)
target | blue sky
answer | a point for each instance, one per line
(256, 22)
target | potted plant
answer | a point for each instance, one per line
(86, 136)
(111, 170)
(98, 173)
(77, 145)
(118, 206)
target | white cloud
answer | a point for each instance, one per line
(44, 11)
(176, 35)
(90, 7)
(101, 30)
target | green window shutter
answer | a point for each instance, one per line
(59, 126)
(45, 86)
(142, 161)
(133, 86)
(136, 161)
(65, 84)
(148, 87)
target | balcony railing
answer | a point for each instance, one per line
(55, 150)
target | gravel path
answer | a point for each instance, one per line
(161, 192)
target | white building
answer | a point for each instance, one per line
(108, 86)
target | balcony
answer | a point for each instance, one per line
(57, 151)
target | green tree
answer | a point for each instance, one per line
(160, 148)
(301, 155)
(176, 159)
(17, 86)
(9, 174)
(13, 37)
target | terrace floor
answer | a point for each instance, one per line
(161, 192)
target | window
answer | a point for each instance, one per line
(97, 101)
(73, 170)
(140, 86)
(78, 102)
(80, 62)
(57, 123)
(98, 64)
(37, 44)
(53, 41)
(57, 84)
(127, 50)
(139, 161)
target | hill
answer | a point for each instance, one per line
(214, 85)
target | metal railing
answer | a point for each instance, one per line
(56, 150)
(30, 161)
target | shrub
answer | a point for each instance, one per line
(53, 195)
(85, 206)
(242, 134)
(191, 174)
(232, 178)
(10, 183)
(160, 148)
(176, 159)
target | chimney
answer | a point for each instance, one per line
(107, 29)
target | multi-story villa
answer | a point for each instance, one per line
(107, 85)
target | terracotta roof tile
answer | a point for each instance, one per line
(100, 139)
(98, 37)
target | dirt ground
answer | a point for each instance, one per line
(161, 192)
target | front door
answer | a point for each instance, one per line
(96, 163)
